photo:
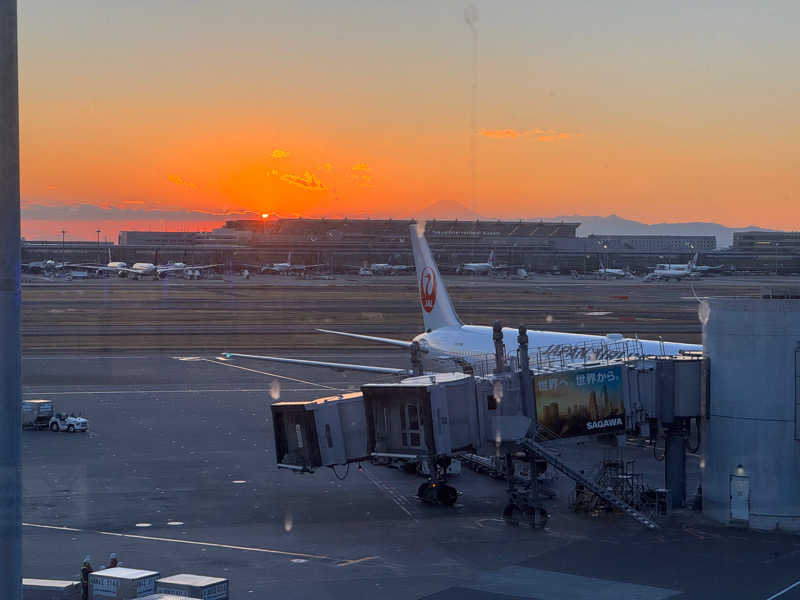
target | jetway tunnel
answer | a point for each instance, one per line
(439, 416)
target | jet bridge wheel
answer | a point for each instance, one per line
(527, 515)
(437, 493)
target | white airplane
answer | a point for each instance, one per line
(284, 267)
(669, 271)
(386, 268)
(447, 338)
(706, 269)
(478, 268)
(153, 269)
(607, 273)
(42, 265)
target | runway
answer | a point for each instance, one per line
(116, 316)
(177, 474)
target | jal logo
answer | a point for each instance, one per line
(427, 289)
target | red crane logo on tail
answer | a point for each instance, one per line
(427, 289)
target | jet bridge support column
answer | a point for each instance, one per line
(675, 462)
(499, 347)
(416, 358)
(10, 405)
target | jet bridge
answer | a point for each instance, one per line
(519, 407)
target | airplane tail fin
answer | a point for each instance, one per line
(109, 254)
(155, 257)
(491, 258)
(693, 262)
(602, 266)
(437, 310)
(289, 259)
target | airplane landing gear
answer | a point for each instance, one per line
(437, 490)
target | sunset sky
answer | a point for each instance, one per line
(172, 114)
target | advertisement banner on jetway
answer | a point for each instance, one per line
(581, 402)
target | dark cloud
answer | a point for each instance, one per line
(90, 212)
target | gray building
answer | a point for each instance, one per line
(770, 241)
(158, 238)
(651, 243)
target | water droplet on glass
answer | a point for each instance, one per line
(275, 389)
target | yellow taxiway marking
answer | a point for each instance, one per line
(339, 562)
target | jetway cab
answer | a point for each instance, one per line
(429, 417)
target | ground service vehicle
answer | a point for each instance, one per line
(36, 414)
(70, 423)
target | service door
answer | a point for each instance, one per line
(740, 498)
(441, 420)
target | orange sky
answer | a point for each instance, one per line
(364, 109)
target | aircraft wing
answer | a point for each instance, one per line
(319, 363)
(103, 268)
(173, 269)
(305, 267)
(371, 338)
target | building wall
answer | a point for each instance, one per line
(752, 429)
(652, 243)
(767, 241)
(156, 238)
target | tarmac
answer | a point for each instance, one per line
(177, 474)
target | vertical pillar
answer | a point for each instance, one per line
(10, 409)
(675, 463)
(499, 347)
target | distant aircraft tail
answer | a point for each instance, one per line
(155, 257)
(109, 254)
(437, 310)
(693, 262)
(491, 258)
(602, 266)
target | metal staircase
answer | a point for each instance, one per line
(590, 485)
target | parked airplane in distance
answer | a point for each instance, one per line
(284, 267)
(143, 269)
(612, 273)
(387, 268)
(485, 268)
(668, 271)
(446, 340)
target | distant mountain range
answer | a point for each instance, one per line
(596, 225)
(615, 225)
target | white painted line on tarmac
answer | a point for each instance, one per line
(396, 498)
(784, 590)
(268, 374)
(81, 357)
(340, 562)
(189, 391)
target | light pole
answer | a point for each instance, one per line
(10, 360)
(776, 257)
(63, 239)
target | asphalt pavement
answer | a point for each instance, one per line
(177, 474)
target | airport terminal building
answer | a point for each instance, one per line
(544, 246)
